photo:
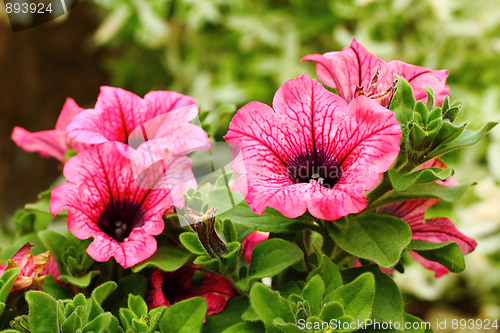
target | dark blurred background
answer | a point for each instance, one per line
(39, 68)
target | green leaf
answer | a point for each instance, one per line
(54, 289)
(388, 302)
(72, 323)
(332, 310)
(417, 325)
(447, 254)
(103, 291)
(231, 315)
(313, 293)
(223, 199)
(467, 138)
(270, 221)
(429, 190)
(135, 284)
(269, 258)
(356, 297)
(166, 258)
(403, 182)
(99, 324)
(191, 241)
(56, 243)
(7, 280)
(377, 237)
(184, 317)
(42, 312)
(269, 305)
(403, 102)
(137, 305)
(245, 328)
(79, 281)
(328, 271)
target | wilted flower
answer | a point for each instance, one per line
(34, 269)
(167, 288)
(106, 203)
(52, 143)
(313, 152)
(354, 71)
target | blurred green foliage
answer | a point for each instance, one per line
(233, 51)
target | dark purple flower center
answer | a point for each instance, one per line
(176, 285)
(120, 218)
(314, 165)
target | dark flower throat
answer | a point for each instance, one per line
(315, 165)
(120, 218)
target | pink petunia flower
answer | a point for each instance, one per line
(52, 143)
(435, 230)
(167, 288)
(313, 152)
(157, 125)
(107, 203)
(354, 71)
(34, 269)
(250, 242)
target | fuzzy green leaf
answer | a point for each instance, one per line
(467, 138)
(403, 102)
(184, 317)
(377, 237)
(269, 258)
(166, 258)
(356, 297)
(269, 305)
(404, 182)
(42, 312)
(270, 221)
(447, 254)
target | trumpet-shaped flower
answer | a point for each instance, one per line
(354, 71)
(107, 203)
(167, 288)
(313, 152)
(52, 143)
(159, 123)
(34, 269)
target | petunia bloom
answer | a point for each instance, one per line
(159, 124)
(34, 269)
(52, 143)
(250, 242)
(107, 203)
(354, 71)
(313, 152)
(167, 288)
(435, 230)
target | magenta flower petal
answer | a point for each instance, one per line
(52, 143)
(313, 151)
(351, 67)
(439, 269)
(162, 117)
(167, 288)
(105, 202)
(418, 78)
(441, 230)
(354, 67)
(250, 242)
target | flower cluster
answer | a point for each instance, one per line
(346, 172)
